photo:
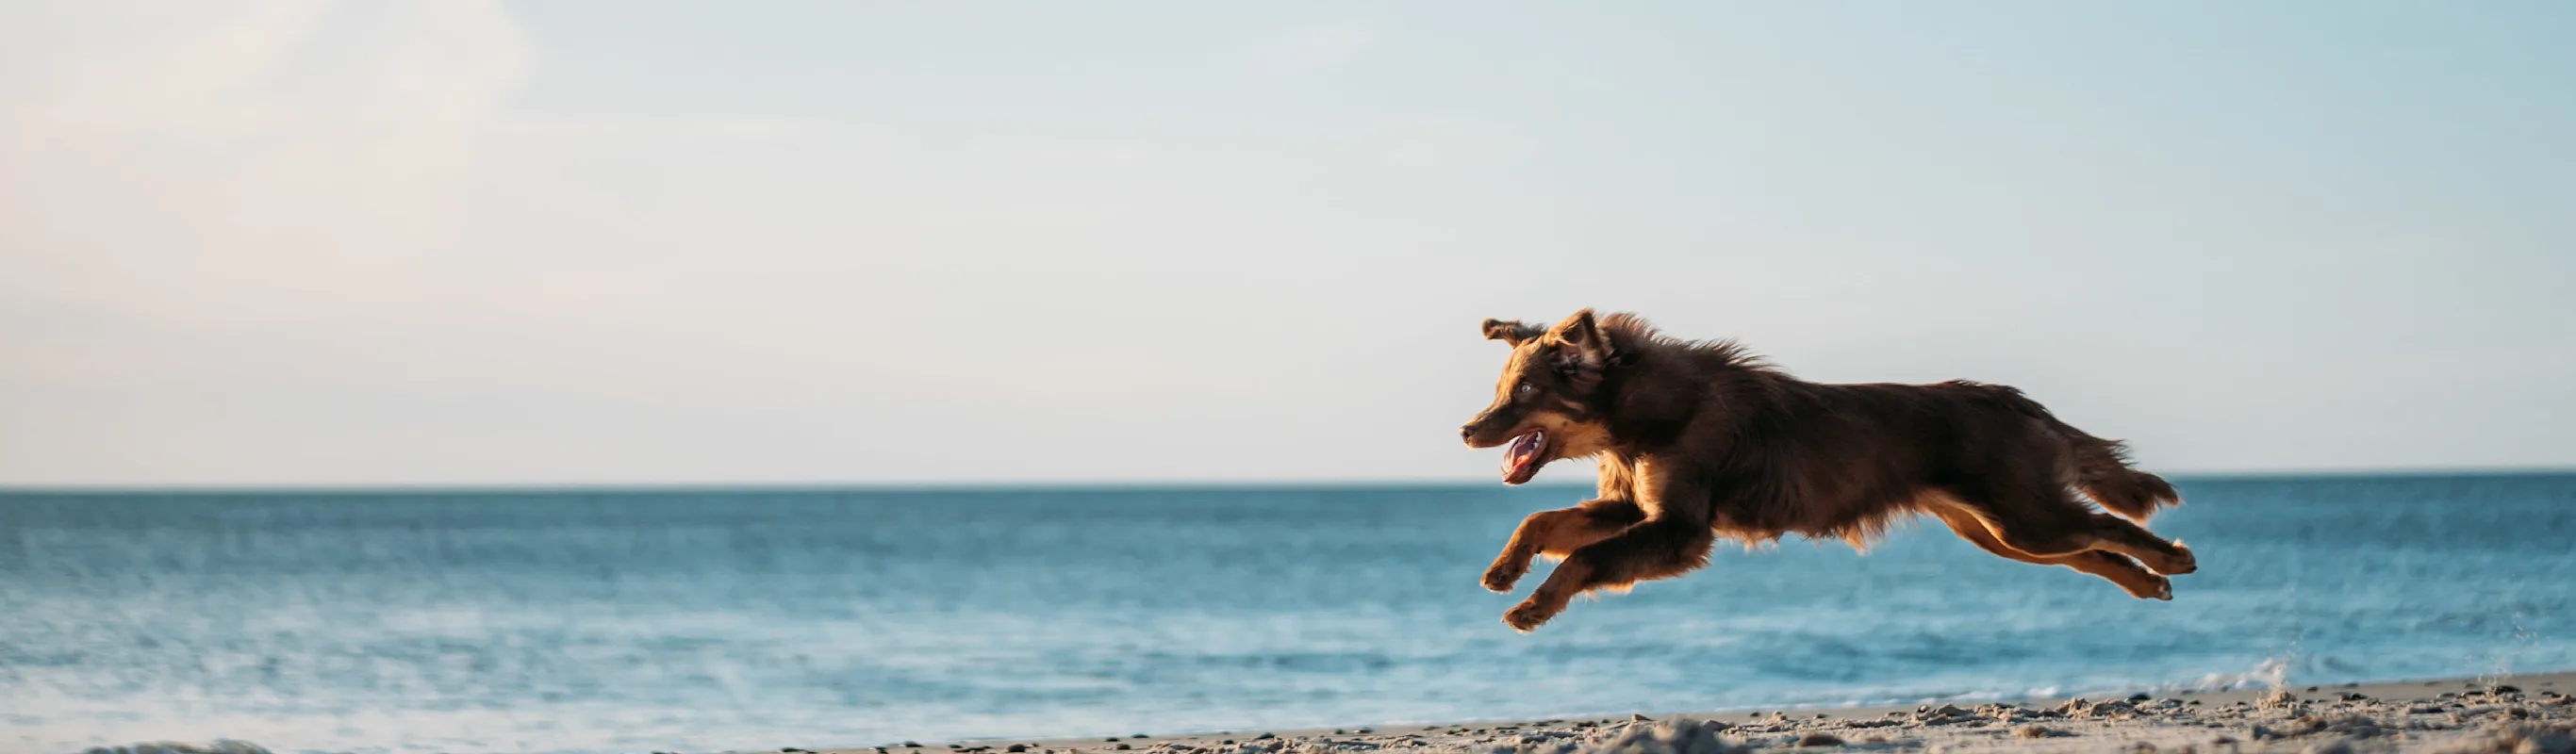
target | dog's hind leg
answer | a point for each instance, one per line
(2120, 570)
(2055, 524)
(1652, 549)
(2132, 578)
(2122, 536)
(1558, 533)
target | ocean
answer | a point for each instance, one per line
(706, 620)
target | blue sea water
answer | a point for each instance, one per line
(569, 621)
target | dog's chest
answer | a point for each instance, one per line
(1651, 492)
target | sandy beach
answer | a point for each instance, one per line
(2516, 714)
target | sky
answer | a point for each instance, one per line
(281, 243)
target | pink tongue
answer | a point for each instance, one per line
(1524, 449)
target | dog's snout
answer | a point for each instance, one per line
(1467, 433)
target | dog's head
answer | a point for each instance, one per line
(1546, 406)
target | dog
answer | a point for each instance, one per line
(1701, 440)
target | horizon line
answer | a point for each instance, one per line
(1136, 485)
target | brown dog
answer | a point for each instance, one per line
(1697, 441)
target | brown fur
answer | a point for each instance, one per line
(1701, 440)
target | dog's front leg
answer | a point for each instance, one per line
(1655, 549)
(1673, 541)
(1558, 533)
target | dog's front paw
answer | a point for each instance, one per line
(2155, 588)
(1504, 574)
(1528, 615)
(2176, 563)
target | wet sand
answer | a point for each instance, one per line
(2518, 714)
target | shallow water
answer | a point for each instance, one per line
(706, 620)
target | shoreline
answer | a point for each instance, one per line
(2522, 713)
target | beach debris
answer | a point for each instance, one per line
(2116, 709)
(1812, 740)
(2278, 699)
(1639, 717)
(2344, 726)
(1677, 736)
(219, 746)
(2039, 731)
(1265, 736)
(1943, 715)
(2141, 696)
(794, 750)
(1016, 748)
(2523, 738)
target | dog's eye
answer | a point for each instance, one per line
(1526, 387)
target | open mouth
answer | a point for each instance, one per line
(1521, 460)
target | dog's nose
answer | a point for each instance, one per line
(1467, 433)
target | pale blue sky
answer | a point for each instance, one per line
(290, 242)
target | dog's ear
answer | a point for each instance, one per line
(1581, 348)
(1512, 332)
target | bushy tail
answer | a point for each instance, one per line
(2101, 466)
(2102, 469)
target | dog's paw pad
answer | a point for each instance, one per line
(1500, 579)
(2147, 587)
(2178, 562)
(1526, 617)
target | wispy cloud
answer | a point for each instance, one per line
(156, 170)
